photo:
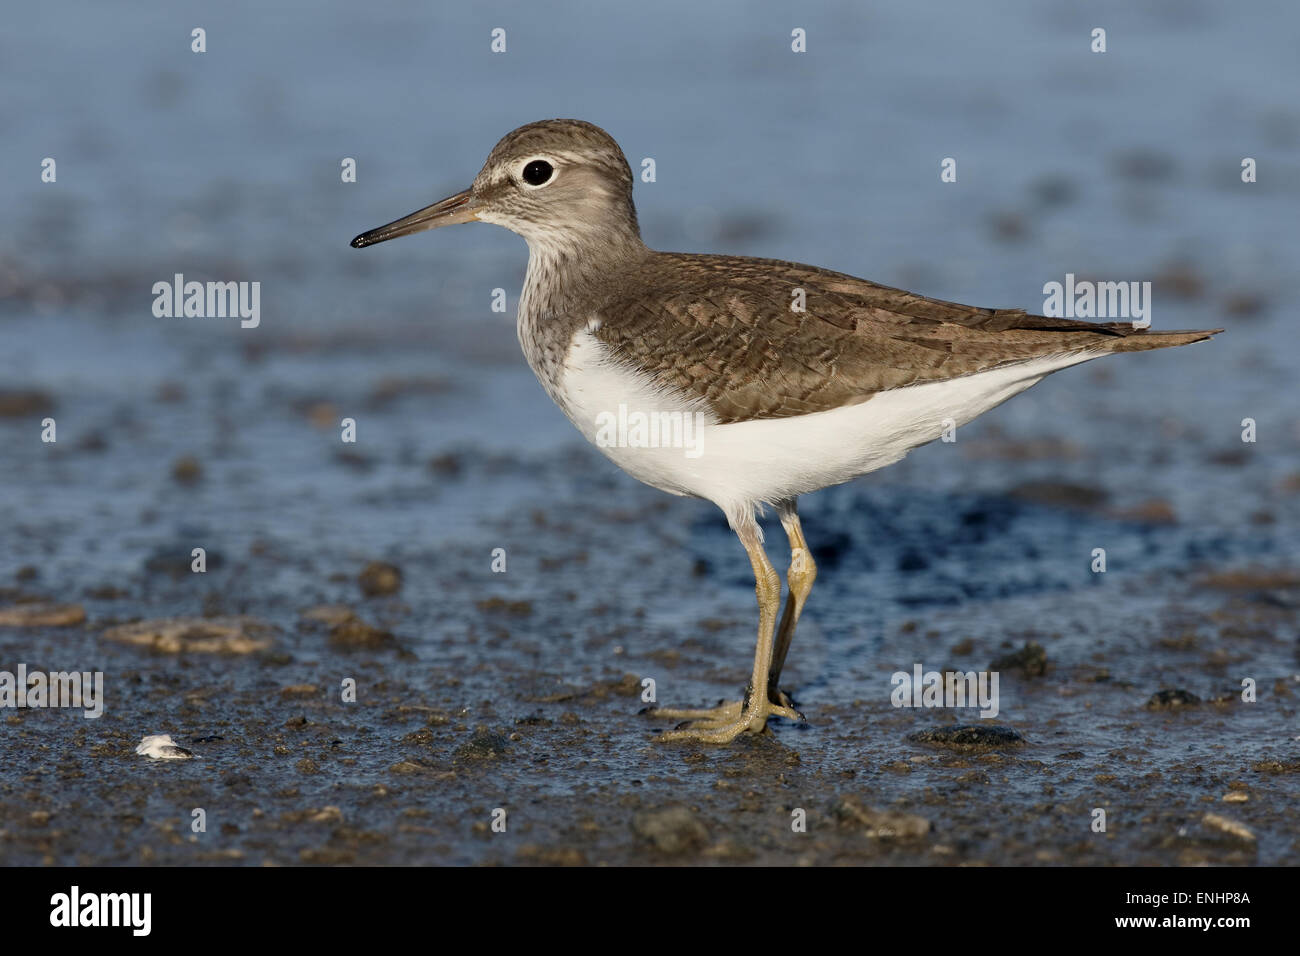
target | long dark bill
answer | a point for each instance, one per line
(450, 211)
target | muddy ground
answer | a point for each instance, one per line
(522, 690)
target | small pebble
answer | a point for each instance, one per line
(1172, 699)
(378, 579)
(970, 737)
(187, 470)
(882, 824)
(1231, 827)
(198, 635)
(42, 614)
(672, 830)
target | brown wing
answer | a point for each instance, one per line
(722, 329)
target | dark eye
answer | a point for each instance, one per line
(537, 172)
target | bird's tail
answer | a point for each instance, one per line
(1130, 339)
(1102, 336)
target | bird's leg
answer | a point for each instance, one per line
(726, 723)
(801, 575)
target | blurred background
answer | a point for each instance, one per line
(225, 165)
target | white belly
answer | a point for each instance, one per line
(666, 441)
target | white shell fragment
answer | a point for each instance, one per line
(162, 747)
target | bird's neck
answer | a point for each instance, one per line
(565, 270)
(568, 275)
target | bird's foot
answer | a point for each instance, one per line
(726, 722)
(780, 698)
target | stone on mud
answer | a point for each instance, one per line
(196, 635)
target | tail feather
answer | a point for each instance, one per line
(1109, 336)
(1140, 340)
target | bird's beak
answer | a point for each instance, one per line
(461, 207)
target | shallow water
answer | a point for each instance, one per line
(225, 165)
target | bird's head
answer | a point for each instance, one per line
(557, 182)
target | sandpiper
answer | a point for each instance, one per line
(798, 377)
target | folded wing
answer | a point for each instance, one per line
(723, 331)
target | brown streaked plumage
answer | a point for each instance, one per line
(722, 328)
(789, 400)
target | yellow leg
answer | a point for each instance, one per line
(724, 724)
(802, 574)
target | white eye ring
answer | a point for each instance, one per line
(533, 167)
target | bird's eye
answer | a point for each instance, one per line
(537, 172)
